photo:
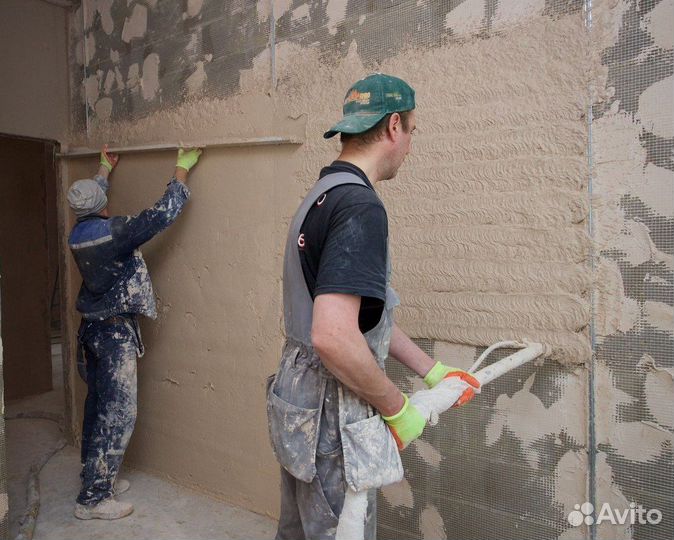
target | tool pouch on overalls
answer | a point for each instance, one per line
(294, 404)
(295, 396)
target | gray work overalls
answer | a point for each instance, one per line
(324, 436)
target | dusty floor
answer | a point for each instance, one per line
(162, 509)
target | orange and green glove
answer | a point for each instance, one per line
(108, 160)
(406, 425)
(440, 372)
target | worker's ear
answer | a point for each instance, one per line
(395, 126)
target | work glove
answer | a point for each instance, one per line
(188, 158)
(108, 160)
(440, 372)
(406, 425)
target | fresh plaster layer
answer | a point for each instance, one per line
(202, 417)
(488, 218)
(34, 85)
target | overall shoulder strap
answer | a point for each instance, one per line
(297, 302)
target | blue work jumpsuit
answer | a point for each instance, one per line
(116, 288)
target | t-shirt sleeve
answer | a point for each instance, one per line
(353, 259)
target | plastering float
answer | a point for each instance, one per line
(431, 403)
(233, 142)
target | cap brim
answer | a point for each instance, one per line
(354, 123)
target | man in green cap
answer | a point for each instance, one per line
(336, 421)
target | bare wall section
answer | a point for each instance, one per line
(34, 85)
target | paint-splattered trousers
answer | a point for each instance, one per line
(310, 511)
(111, 348)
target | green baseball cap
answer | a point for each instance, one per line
(369, 100)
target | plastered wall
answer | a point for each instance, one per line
(24, 268)
(491, 234)
(34, 85)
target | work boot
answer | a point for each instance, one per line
(121, 486)
(107, 509)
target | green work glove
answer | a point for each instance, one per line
(188, 158)
(108, 160)
(440, 372)
(406, 425)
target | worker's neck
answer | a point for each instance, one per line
(367, 161)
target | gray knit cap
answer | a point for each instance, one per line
(86, 197)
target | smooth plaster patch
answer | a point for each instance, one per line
(150, 80)
(656, 108)
(526, 417)
(428, 453)
(399, 494)
(609, 492)
(432, 524)
(195, 82)
(659, 315)
(133, 76)
(103, 109)
(658, 24)
(104, 7)
(571, 479)
(300, 12)
(194, 8)
(656, 182)
(614, 311)
(135, 26)
(509, 12)
(466, 18)
(336, 12)
(659, 389)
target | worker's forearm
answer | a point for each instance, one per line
(103, 171)
(180, 174)
(404, 350)
(349, 359)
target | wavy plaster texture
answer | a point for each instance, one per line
(489, 216)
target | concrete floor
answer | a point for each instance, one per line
(162, 510)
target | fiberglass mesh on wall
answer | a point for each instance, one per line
(461, 481)
(634, 129)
